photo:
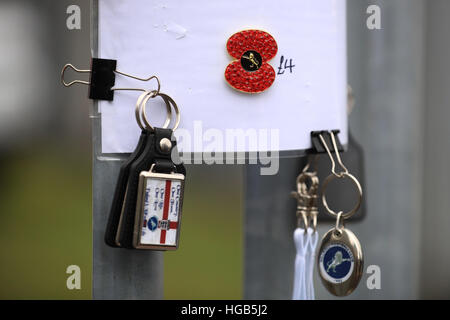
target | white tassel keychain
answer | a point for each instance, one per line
(300, 279)
(305, 238)
(313, 238)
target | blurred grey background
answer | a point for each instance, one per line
(45, 153)
(400, 76)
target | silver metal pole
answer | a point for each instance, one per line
(435, 256)
(117, 273)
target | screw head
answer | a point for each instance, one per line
(165, 145)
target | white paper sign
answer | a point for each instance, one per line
(184, 44)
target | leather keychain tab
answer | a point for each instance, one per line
(119, 193)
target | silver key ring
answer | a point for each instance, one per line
(169, 104)
(355, 181)
(140, 110)
(137, 110)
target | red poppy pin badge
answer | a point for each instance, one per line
(251, 72)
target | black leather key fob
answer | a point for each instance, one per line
(152, 154)
(119, 193)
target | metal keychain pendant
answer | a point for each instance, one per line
(340, 261)
(158, 211)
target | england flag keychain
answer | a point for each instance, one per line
(146, 209)
(157, 216)
(124, 172)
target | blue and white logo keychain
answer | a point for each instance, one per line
(336, 263)
(340, 259)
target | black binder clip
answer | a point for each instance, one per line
(317, 144)
(102, 79)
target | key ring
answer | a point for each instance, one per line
(141, 101)
(137, 111)
(355, 181)
(169, 103)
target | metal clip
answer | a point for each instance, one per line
(338, 157)
(102, 78)
(307, 197)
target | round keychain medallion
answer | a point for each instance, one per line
(340, 261)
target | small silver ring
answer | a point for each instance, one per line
(170, 103)
(142, 109)
(355, 181)
(137, 111)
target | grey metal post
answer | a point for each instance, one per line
(388, 120)
(117, 273)
(435, 225)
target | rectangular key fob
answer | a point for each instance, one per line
(161, 162)
(158, 211)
